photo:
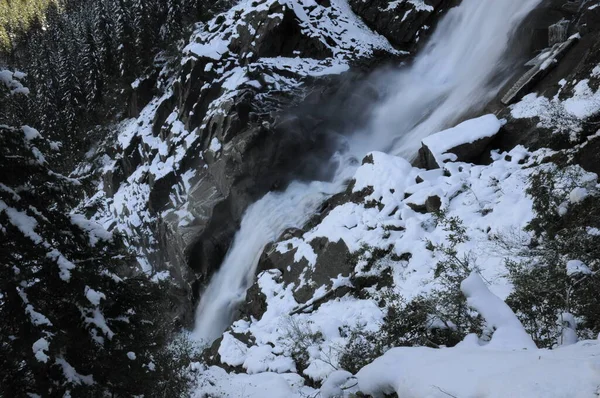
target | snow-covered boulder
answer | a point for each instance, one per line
(464, 143)
(571, 371)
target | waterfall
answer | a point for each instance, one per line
(263, 222)
(459, 71)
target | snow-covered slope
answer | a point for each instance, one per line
(214, 138)
(490, 200)
(382, 238)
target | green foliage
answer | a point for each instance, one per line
(543, 289)
(298, 339)
(451, 305)
(440, 318)
(16, 17)
(74, 307)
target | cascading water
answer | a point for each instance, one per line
(262, 223)
(460, 70)
(453, 75)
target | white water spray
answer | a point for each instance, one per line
(460, 70)
(263, 222)
(452, 76)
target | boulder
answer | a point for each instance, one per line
(431, 205)
(587, 156)
(464, 143)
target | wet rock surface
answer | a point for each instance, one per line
(259, 98)
(581, 62)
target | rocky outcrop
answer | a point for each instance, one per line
(254, 103)
(402, 22)
(544, 119)
(464, 143)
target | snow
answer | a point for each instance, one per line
(95, 317)
(585, 102)
(465, 133)
(259, 385)
(578, 194)
(577, 267)
(71, 374)
(11, 81)
(213, 49)
(558, 114)
(36, 318)
(303, 250)
(95, 231)
(337, 383)
(307, 66)
(65, 266)
(39, 347)
(568, 334)
(593, 231)
(94, 296)
(509, 332)
(571, 371)
(232, 351)
(26, 224)
(262, 359)
(30, 133)
(215, 145)
(419, 5)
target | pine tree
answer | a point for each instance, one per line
(126, 41)
(92, 64)
(145, 15)
(173, 27)
(78, 319)
(104, 32)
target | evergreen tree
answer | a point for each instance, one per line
(94, 81)
(78, 319)
(104, 30)
(126, 41)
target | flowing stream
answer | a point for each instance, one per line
(459, 71)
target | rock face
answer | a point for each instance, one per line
(253, 103)
(401, 21)
(550, 117)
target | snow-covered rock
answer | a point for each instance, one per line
(214, 140)
(570, 371)
(465, 142)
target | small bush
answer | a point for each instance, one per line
(298, 339)
(562, 231)
(441, 318)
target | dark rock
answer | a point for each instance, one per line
(470, 152)
(588, 156)
(433, 204)
(255, 304)
(399, 24)
(286, 39)
(368, 159)
(331, 262)
(419, 208)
